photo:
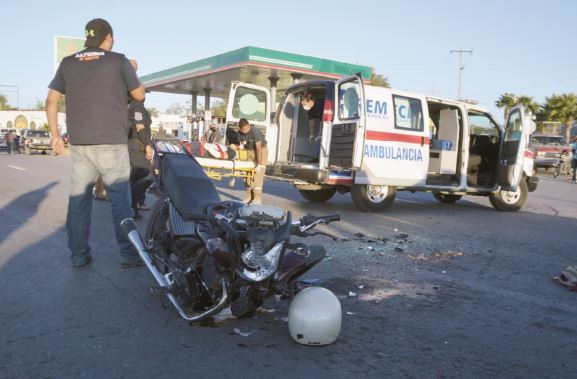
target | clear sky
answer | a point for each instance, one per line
(524, 47)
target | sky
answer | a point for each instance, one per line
(522, 47)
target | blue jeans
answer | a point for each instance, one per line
(112, 163)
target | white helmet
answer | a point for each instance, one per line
(315, 317)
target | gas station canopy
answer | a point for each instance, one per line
(263, 67)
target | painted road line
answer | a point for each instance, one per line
(17, 168)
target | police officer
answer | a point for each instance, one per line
(140, 152)
(252, 140)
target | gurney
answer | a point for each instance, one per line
(214, 168)
(219, 169)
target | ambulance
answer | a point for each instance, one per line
(375, 141)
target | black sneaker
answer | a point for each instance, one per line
(81, 260)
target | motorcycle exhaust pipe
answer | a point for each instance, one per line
(131, 231)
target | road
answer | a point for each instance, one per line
(455, 291)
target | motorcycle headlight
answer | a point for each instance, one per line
(260, 264)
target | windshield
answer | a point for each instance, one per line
(547, 140)
(38, 133)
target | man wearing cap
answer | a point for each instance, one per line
(96, 83)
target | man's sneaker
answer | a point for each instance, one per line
(81, 260)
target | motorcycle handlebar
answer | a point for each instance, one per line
(331, 218)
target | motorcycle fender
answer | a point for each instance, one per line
(296, 262)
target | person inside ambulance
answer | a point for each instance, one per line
(314, 111)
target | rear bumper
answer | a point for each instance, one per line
(309, 175)
(547, 162)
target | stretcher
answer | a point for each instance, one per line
(216, 169)
(219, 169)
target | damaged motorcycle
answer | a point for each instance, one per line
(206, 254)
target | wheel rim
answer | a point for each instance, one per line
(377, 194)
(511, 197)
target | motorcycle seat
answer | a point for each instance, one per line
(186, 184)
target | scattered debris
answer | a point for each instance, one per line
(398, 250)
(285, 319)
(267, 310)
(243, 334)
(359, 235)
(352, 294)
(361, 287)
(402, 235)
(371, 248)
(437, 256)
(351, 313)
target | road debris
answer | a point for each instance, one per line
(241, 333)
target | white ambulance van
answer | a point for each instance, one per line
(376, 141)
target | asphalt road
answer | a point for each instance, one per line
(456, 291)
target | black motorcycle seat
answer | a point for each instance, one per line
(186, 184)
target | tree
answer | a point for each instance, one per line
(510, 100)
(562, 108)
(153, 111)
(507, 101)
(378, 80)
(219, 110)
(4, 105)
(39, 106)
(176, 108)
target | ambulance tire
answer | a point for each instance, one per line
(447, 199)
(372, 198)
(318, 196)
(510, 201)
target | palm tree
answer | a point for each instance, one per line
(527, 102)
(507, 101)
(378, 80)
(563, 108)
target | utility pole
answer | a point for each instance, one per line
(461, 67)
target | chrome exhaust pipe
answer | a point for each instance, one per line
(163, 281)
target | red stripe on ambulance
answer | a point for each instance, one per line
(395, 137)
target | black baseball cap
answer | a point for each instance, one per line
(96, 31)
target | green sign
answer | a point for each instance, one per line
(65, 46)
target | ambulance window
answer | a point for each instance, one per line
(408, 113)
(250, 104)
(349, 100)
(513, 130)
(481, 124)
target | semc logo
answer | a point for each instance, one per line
(376, 108)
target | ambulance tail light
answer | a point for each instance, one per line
(328, 112)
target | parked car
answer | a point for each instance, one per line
(37, 140)
(551, 152)
(3, 145)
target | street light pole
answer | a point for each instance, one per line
(461, 67)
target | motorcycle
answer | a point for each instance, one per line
(206, 254)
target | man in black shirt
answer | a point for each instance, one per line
(96, 83)
(140, 152)
(252, 140)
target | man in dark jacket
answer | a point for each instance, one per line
(140, 152)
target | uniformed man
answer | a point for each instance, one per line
(140, 152)
(252, 140)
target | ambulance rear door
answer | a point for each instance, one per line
(252, 103)
(348, 129)
(513, 144)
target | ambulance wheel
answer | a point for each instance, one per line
(318, 196)
(510, 201)
(372, 198)
(447, 199)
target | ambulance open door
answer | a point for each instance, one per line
(513, 144)
(252, 103)
(348, 129)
